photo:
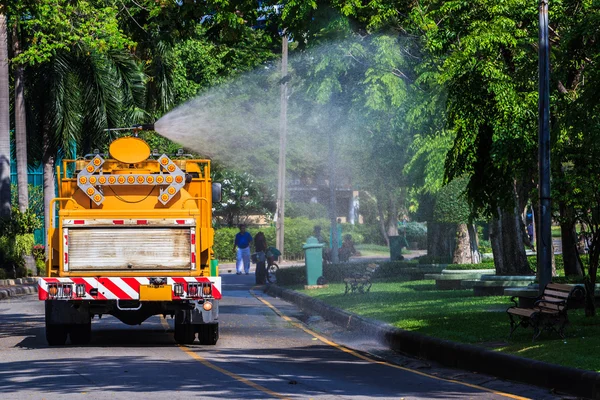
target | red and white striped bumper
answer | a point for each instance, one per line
(112, 288)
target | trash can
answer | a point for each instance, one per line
(313, 256)
(396, 243)
(214, 267)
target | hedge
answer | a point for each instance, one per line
(297, 230)
(335, 273)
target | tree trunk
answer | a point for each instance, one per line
(462, 251)
(506, 236)
(441, 240)
(20, 126)
(49, 183)
(569, 242)
(382, 224)
(474, 244)
(4, 121)
(467, 247)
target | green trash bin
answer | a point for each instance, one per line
(313, 256)
(214, 267)
(396, 244)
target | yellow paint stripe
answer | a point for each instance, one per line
(363, 357)
(212, 366)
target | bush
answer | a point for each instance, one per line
(485, 246)
(13, 248)
(427, 259)
(3, 274)
(297, 230)
(371, 234)
(335, 273)
(306, 210)
(417, 232)
(466, 267)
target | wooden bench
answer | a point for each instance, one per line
(360, 282)
(549, 311)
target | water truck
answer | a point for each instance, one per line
(133, 238)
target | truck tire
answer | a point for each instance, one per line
(56, 334)
(184, 332)
(81, 333)
(208, 334)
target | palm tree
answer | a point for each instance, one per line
(77, 95)
(4, 120)
(20, 124)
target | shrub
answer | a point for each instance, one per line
(13, 248)
(427, 259)
(485, 246)
(417, 232)
(3, 274)
(306, 210)
(370, 233)
(461, 267)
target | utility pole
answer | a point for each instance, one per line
(282, 146)
(544, 234)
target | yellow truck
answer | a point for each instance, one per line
(133, 238)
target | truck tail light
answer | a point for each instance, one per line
(80, 290)
(207, 290)
(207, 306)
(178, 289)
(192, 289)
(60, 290)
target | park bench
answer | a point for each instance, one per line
(360, 282)
(549, 311)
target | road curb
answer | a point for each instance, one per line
(5, 293)
(464, 356)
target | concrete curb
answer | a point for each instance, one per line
(5, 293)
(463, 356)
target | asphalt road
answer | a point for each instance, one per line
(267, 349)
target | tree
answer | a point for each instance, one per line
(242, 197)
(20, 123)
(4, 119)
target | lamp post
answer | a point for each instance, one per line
(282, 147)
(544, 234)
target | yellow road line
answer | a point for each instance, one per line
(363, 357)
(210, 365)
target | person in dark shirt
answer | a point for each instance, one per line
(260, 247)
(242, 243)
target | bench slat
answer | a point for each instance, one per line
(562, 295)
(551, 306)
(559, 286)
(526, 312)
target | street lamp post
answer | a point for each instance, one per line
(544, 234)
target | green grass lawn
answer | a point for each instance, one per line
(461, 317)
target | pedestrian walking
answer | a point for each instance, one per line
(260, 247)
(242, 244)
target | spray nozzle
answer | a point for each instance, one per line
(144, 127)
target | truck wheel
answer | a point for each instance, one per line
(56, 334)
(208, 334)
(184, 333)
(81, 333)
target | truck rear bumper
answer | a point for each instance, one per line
(129, 288)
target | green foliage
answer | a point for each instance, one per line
(371, 233)
(426, 259)
(13, 248)
(55, 26)
(451, 205)
(417, 232)
(467, 267)
(36, 199)
(20, 223)
(307, 210)
(297, 230)
(241, 197)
